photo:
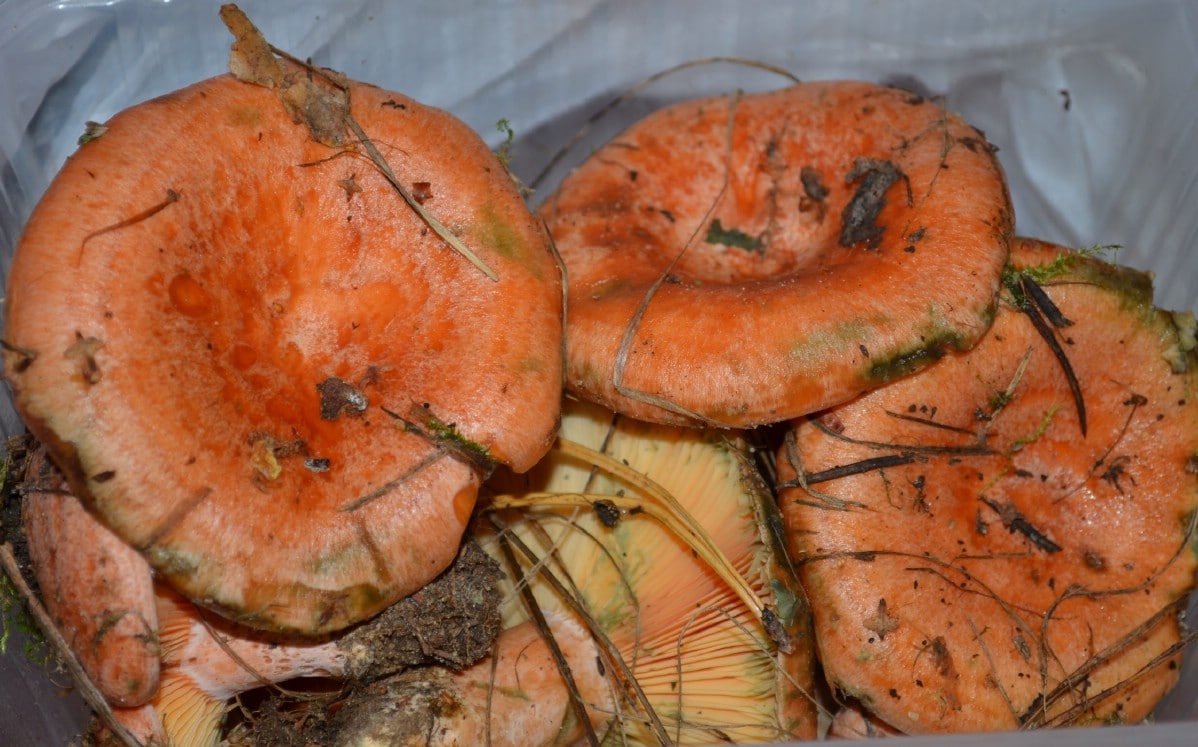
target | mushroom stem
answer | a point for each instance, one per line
(205, 662)
(87, 689)
(224, 661)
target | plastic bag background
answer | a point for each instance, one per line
(1091, 104)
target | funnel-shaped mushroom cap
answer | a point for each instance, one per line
(980, 554)
(706, 665)
(261, 367)
(752, 258)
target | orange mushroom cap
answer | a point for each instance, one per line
(746, 259)
(980, 555)
(96, 588)
(261, 368)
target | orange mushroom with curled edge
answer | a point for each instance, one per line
(1006, 539)
(96, 589)
(259, 364)
(746, 259)
(699, 646)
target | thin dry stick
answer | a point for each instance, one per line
(391, 485)
(635, 322)
(87, 689)
(950, 450)
(931, 423)
(246, 32)
(538, 616)
(663, 507)
(977, 636)
(613, 655)
(416, 207)
(565, 274)
(171, 197)
(829, 501)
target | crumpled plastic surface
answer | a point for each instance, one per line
(1091, 104)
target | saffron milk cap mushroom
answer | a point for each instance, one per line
(690, 660)
(260, 365)
(750, 258)
(97, 589)
(1006, 539)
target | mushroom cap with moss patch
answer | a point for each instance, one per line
(1005, 540)
(749, 258)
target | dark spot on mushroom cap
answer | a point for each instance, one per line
(813, 186)
(859, 219)
(337, 396)
(422, 191)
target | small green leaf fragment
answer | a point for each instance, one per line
(734, 237)
(504, 151)
(92, 131)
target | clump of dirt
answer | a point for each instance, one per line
(12, 480)
(452, 621)
(396, 659)
(406, 708)
(409, 708)
(19, 472)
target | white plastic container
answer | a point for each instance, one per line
(1091, 104)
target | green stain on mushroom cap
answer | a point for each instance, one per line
(929, 346)
(1085, 266)
(171, 563)
(493, 230)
